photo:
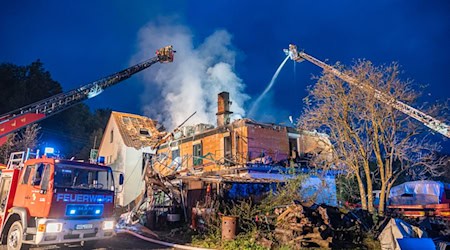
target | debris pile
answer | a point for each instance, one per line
(312, 225)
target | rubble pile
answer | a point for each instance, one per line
(304, 225)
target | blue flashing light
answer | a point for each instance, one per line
(84, 210)
(49, 150)
(101, 160)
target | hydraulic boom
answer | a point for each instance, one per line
(19, 118)
(427, 120)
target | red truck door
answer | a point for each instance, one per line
(29, 193)
(39, 194)
(22, 193)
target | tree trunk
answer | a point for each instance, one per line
(382, 201)
(362, 191)
(388, 191)
(370, 207)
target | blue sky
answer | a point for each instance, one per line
(81, 41)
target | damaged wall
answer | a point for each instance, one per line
(208, 147)
(267, 141)
(126, 138)
(215, 149)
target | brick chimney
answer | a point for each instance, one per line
(223, 109)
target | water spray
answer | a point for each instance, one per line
(256, 103)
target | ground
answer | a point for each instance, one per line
(121, 241)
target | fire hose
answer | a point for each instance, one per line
(159, 242)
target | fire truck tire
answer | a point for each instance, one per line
(15, 234)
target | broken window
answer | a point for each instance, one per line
(145, 157)
(197, 153)
(144, 132)
(293, 150)
(227, 147)
(126, 120)
(175, 154)
(238, 148)
(176, 160)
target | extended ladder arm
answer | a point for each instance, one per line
(427, 120)
(37, 111)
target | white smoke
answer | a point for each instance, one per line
(191, 83)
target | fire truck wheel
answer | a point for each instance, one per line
(14, 240)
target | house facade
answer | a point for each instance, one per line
(127, 141)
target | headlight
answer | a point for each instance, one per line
(108, 225)
(53, 227)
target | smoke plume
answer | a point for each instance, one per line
(191, 83)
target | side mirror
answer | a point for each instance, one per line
(121, 179)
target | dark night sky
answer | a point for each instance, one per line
(81, 41)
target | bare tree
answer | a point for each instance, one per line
(364, 130)
(6, 148)
(27, 138)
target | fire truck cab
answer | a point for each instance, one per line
(51, 201)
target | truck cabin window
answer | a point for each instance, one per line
(76, 177)
(38, 174)
(26, 174)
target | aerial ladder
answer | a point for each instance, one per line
(425, 119)
(19, 118)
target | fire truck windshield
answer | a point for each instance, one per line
(84, 177)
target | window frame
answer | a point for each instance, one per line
(197, 154)
(36, 172)
(26, 174)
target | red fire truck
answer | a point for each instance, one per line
(49, 201)
(52, 201)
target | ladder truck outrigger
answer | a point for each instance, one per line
(427, 120)
(45, 200)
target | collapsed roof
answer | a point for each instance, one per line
(137, 131)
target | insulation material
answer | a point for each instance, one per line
(398, 229)
(417, 193)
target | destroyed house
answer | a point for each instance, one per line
(243, 151)
(127, 142)
(199, 149)
(237, 154)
